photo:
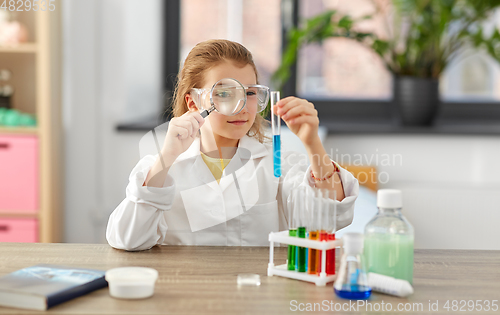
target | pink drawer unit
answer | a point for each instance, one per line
(19, 230)
(18, 173)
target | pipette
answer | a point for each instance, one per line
(276, 129)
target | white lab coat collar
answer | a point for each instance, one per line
(251, 144)
(248, 148)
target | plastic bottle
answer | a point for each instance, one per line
(389, 238)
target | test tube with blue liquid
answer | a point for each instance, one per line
(276, 129)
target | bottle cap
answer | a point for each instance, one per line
(353, 243)
(389, 198)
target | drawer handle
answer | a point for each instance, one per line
(4, 228)
(4, 145)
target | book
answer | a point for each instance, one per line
(43, 286)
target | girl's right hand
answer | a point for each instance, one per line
(181, 133)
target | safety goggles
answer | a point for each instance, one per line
(228, 97)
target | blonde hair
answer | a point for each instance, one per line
(203, 57)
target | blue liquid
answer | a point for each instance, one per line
(354, 292)
(297, 258)
(307, 259)
(307, 253)
(277, 155)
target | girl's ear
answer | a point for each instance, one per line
(190, 103)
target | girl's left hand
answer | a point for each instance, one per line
(300, 116)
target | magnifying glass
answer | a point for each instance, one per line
(227, 96)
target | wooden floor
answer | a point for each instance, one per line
(202, 280)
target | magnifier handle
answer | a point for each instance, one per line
(204, 113)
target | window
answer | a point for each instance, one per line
(474, 76)
(344, 69)
(254, 23)
(346, 81)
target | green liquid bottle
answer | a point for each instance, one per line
(389, 238)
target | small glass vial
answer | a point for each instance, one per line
(389, 238)
(352, 282)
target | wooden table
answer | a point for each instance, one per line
(202, 280)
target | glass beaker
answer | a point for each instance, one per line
(352, 282)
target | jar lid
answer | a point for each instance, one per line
(389, 198)
(132, 274)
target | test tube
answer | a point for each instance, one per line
(291, 250)
(332, 228)
(276, 129)
(301, 230)
(301, 256)
(323, 226)
(314, 215)
(292, 228)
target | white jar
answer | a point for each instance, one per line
(131, 282)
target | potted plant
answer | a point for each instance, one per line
(427, 35)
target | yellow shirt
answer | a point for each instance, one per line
(215, 165)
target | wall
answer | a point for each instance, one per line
(450, 184)
(112, 66)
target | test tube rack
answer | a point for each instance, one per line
(281, 270)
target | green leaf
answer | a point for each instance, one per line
(345, 22)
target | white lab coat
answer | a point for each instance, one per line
(193, 209)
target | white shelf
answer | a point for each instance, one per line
(20, 48)
(36, 74)
(19, 130)
(13, 214)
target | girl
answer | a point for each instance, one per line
(213, 182)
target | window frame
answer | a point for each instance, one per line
(362, 111)
(171, 52)
(380, 110)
